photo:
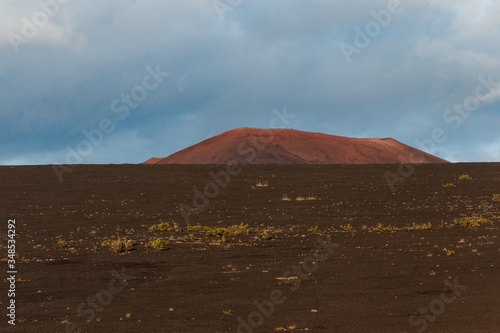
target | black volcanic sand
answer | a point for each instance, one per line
(374, 281)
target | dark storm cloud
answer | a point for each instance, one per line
(233, 72)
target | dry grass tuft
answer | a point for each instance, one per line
(262, 183)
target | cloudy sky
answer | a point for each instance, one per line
(148, 78)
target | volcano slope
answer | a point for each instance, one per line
(275, 274)
(289, 146)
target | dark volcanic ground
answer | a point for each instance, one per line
(446, 279)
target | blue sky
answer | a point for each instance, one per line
(148, 78)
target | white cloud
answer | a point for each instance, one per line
(38, 25)
(492, 96)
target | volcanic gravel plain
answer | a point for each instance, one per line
(253, 248)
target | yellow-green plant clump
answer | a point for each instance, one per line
(119, 245)
(381, 227)
(471, 222)
(158, 244)
(165, 226)
(233, 230)
(414, 226)
(347, 227)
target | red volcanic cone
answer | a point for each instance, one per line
(288, 146)
(152, 160)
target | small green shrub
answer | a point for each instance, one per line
(158, 244)
(165, 226)
(449, 185)
(285, 197)
(119, 245)
(314, 230)
(347, 227)
(233, 230)
(471, 222)
(465, 177)
(62, 243)
(414, 226)
(265, 235)
(496, 197)
(381, 227)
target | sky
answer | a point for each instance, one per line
(120, 81)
